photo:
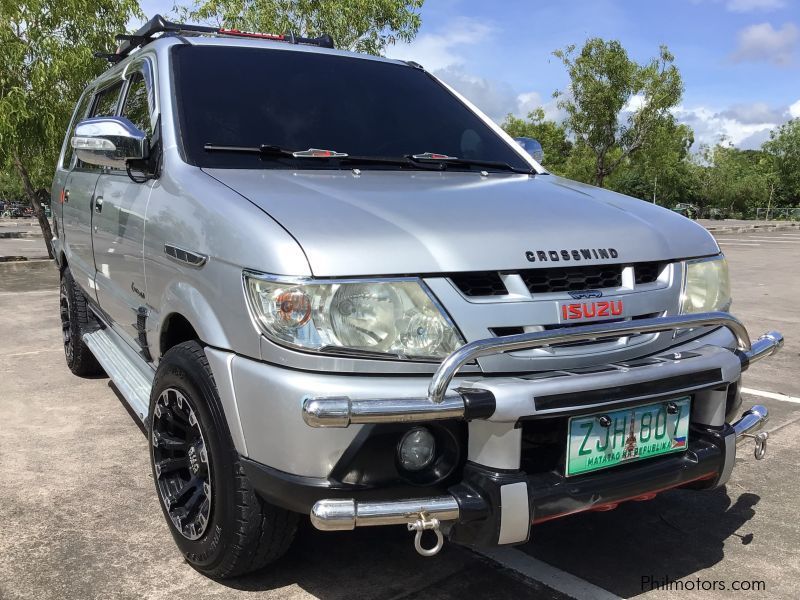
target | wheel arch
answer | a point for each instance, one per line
(185, 315)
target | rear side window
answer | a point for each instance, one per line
(80, 114)
(105, 104)
(137, 106)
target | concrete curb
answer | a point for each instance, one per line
(26, 264)
(754, 228)
(19, 234)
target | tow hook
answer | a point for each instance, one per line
(425, 523)
(761, 444)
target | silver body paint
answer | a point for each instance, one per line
(326, 224)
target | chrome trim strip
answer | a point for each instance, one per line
(342, 412)
(526, 341)
(346, 515)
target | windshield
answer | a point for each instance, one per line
(251, 97)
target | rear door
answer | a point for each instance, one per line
(79, 198)
(119, 222)
(59, 191)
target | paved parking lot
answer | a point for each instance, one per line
(82, 521)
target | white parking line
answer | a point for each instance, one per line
(552, 577)
(771, 395)
(727, 243)
(770, 241)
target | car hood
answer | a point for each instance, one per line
(400, 222)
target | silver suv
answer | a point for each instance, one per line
(328, 285)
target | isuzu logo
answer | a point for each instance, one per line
(573, 254)
(586, 294)
(577, 311)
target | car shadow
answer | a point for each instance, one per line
(377, 562)
(640, 544)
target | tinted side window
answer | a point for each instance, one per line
(80, 114)
(137, 107)
(105, 104)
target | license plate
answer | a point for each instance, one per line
(630, 434)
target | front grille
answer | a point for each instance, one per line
(567, 279)
(556, 279)
(480, 284)
(647, 272)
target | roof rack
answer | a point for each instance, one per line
(159, 25)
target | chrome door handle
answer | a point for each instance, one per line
(98, 204)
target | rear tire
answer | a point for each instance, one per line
(76, 319)
(222, 527)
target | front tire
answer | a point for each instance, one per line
(222, 527)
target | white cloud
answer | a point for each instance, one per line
(752, 5)
(436, 51)
(496, 98)
(634, 103)
(756, 112)
(762, 42)
(746, 126)
(794, 110)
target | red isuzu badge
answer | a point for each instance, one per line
(595, 309)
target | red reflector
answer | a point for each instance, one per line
(253, 34)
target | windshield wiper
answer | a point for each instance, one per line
(316, 153)
(444, 160)
(270, 150)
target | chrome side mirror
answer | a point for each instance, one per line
(109, 142)
(532, 147)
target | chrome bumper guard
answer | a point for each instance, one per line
(478, 403)
(748, 426)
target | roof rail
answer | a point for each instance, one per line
(159, 25)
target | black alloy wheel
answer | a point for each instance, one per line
(181, 463)
(66, 326)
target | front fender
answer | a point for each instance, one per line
(184, 299)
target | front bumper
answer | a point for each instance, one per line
(491, 507)
(497, 501)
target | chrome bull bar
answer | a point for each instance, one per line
(343, 411)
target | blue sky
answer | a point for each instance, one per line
(740, 59)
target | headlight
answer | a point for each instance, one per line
(706, 286)
(394, 318)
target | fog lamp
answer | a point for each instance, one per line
(416, 449)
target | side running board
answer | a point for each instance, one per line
(132, 376)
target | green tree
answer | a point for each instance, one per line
(783, 149)
(46, 60)
(552, 136)
(603, 82)
(660, 171)
(736, 181)
(360, 25)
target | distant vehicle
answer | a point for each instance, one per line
(328, 287)
(687, 210)
(718, 214)
(532, 147)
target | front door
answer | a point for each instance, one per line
(119, 223)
